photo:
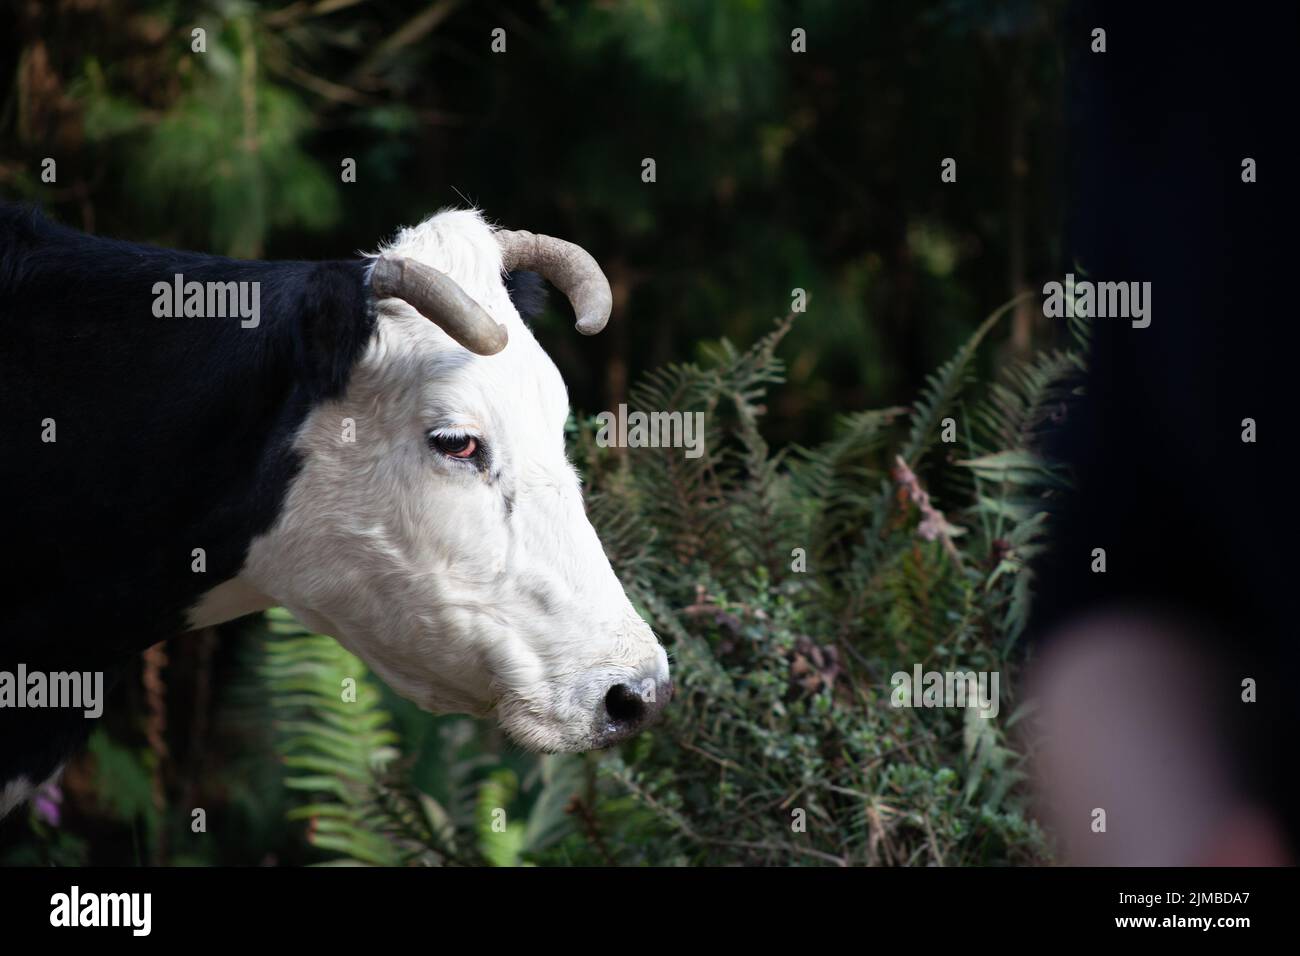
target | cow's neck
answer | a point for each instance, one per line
(144, 454)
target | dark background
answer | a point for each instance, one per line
(1195, 522)
(775, 170)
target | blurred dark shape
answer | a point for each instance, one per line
(1143, 670)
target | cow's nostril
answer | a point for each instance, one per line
(624, 705)
(629, 709)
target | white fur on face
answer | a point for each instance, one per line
(465, 591)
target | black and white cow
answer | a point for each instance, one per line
(380, 450)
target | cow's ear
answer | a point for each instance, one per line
(336, 317)
(527, 293)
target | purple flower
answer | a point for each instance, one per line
(47, 802)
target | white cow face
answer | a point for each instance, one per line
(447, 544)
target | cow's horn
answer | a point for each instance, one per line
(567, 267)
(437, 297)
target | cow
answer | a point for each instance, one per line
(375, 444)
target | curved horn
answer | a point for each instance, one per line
(437, 297)
(567, 267)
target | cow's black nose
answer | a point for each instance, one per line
(624, 705)
(630, 708)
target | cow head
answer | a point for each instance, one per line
(436, 527)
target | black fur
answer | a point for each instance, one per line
(527, 293)
(172, 434)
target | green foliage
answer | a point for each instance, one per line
(334, 739)
(124, 780)
(225, 157)
(784, 699)
(334, 735)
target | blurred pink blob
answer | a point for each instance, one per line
(46, 803)
(1132, 764)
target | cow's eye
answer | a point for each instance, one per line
(454, 446)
